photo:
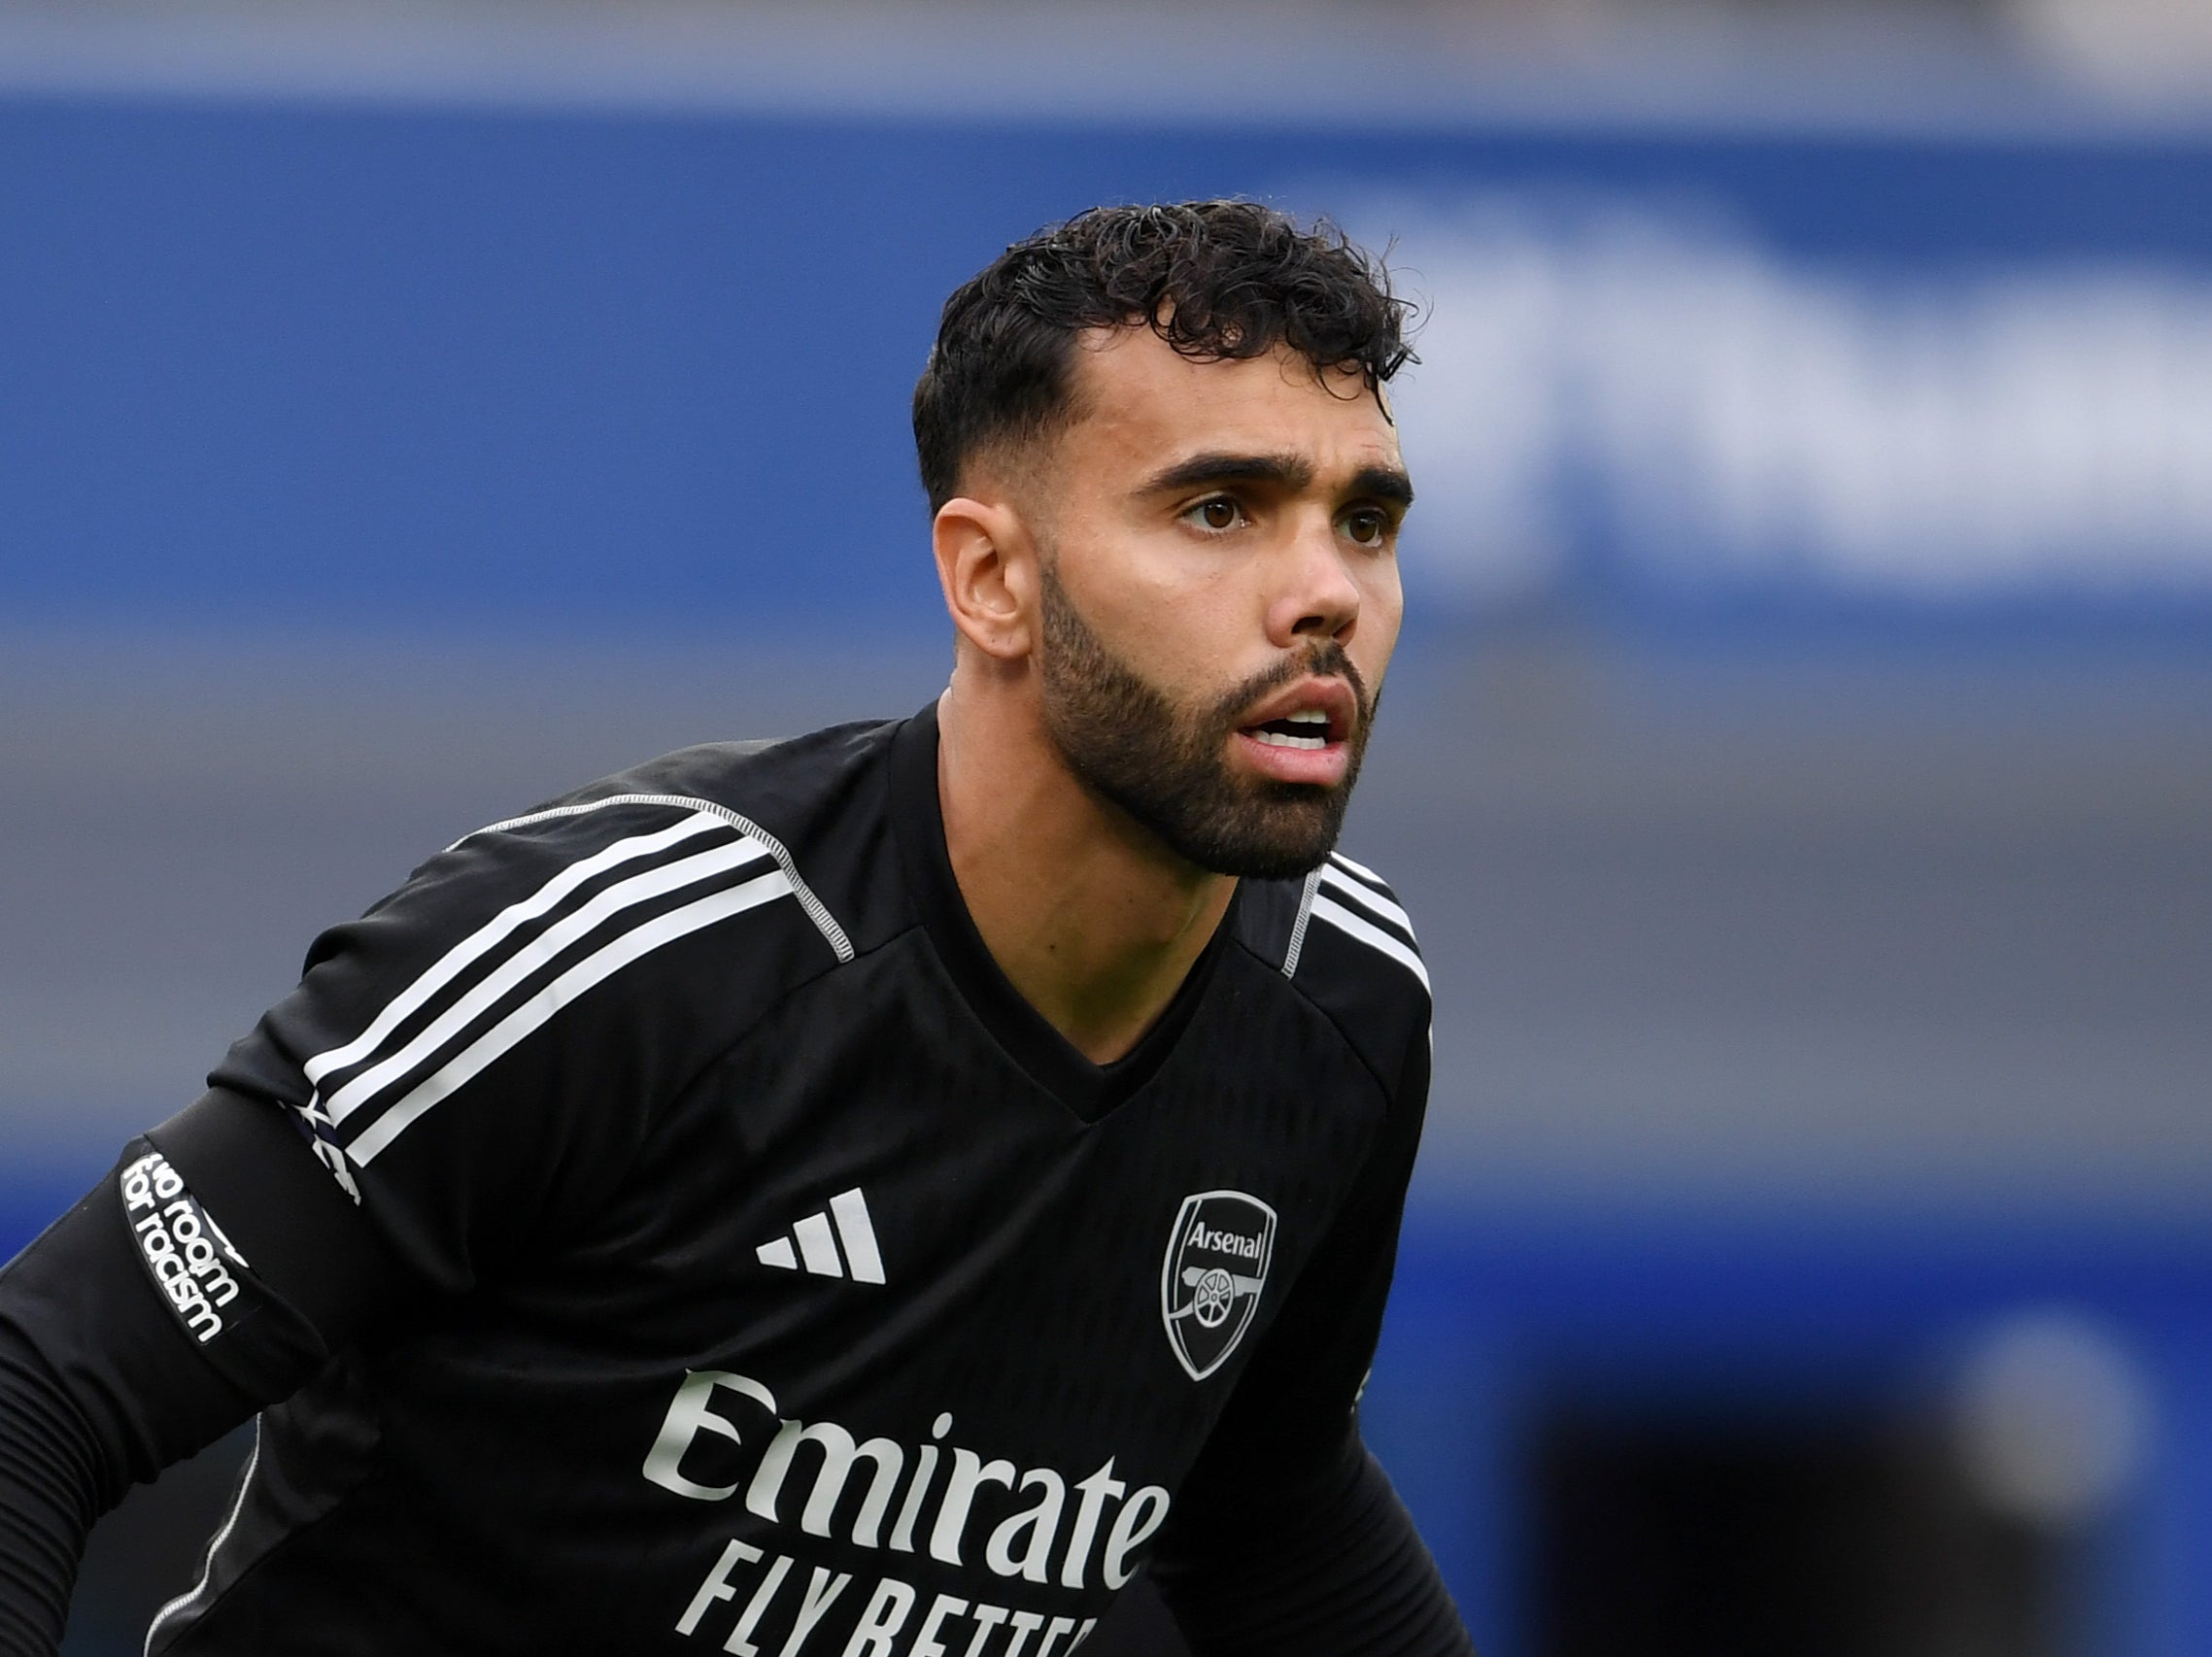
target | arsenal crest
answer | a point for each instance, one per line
(1217, 1266)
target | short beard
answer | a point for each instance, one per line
(1167, 766)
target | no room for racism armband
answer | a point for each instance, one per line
(205, 1282)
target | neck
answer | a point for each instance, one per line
(1091, 919)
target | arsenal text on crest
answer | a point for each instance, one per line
(1211, 1282)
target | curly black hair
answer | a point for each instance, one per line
(1213, 278)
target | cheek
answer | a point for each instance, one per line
(1382, 585)
(1185, 644)
(1178, 625)
(1383, 608)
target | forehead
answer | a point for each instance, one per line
(1140, 403)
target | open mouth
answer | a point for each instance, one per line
(1306, 729)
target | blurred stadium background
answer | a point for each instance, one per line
(1800, 758)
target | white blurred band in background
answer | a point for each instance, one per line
(1716, 415)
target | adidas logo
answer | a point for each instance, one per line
(817, 1243)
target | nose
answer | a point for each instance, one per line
(1316, 600)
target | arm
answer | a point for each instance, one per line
(112, 1366)
(1287, 1540)
(103, 1382)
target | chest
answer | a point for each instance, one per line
(871, 1208)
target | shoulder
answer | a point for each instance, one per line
(753, 812)
(776, 788)
(1342, 940)
(625, 930)
(1340, 927)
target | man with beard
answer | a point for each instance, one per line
(861, 1195)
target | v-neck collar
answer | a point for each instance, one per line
(1029, 1038)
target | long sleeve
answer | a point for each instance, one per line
(1329, 1568)
(438, 1092)
(105, 1380)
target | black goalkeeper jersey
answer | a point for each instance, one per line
(756, 1271)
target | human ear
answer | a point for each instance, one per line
(986, 565)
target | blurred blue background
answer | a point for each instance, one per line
(1799, 762)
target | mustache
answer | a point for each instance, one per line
(1330, 660)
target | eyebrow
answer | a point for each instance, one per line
(1219, 467)
(1285, 471)
(1384, 483)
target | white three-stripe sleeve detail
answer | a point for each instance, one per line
(501, 926)
(817, 911)
(1358, 869)
(1368, 932)
(1368, 898)
(540, 1007)
(850, 1208)
(532, 956)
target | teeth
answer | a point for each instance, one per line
(1281, 739)
(1307, 716)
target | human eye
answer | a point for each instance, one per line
(1216, 514)
(1368, 527)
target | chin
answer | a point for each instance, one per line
(1263, 839)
